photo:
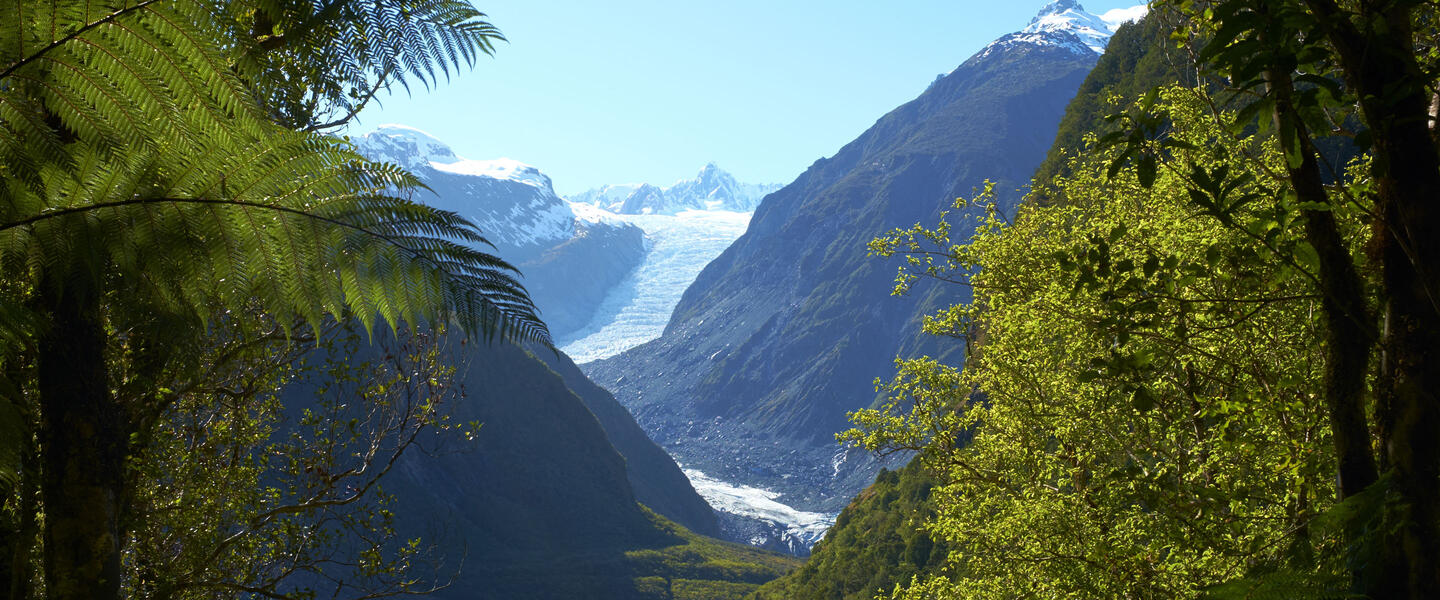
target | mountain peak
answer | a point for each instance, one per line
(405, 146)
(1066, 24)
(1057, 7)
(712, 188)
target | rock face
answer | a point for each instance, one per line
(568, 261)
(711, 189)
(786, 331)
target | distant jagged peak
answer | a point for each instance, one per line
(710, 177)
(645, 199)
(712, 188)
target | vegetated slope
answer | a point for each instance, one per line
(877, 542)
(862, 552)
(785, 331)
(1139, 57)
(541, 506)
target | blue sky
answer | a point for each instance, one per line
(650, 90)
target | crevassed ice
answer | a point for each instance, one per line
(760, 503)
(636, 311)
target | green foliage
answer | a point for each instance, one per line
(129, 142)
(1145, 416)
(236, 493)
(724, 569)
(689, 589)
(878, 540)
(320, 63)
(162, 188)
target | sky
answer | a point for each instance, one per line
(649, 91)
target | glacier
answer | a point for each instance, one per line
(636, 310)
(803, 528)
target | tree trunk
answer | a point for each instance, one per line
(1378, 55)
(1349, 328)
(83, 439)
(18, 584)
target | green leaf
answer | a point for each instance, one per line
(1146, 170)
(1142, 399)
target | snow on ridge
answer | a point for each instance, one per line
(1089, 28)
(403, 145)
(1057, 39)
(500, 168)
(414, 148)
(590, 213)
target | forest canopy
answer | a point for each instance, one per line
(1203, 362)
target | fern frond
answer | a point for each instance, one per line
(133, 158)
(342, 52)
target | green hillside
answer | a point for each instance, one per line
(876, 543)
(686, 566)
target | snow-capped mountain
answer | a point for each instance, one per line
(512, 202)
(711, 189)
(1066, 24)
(569, 260)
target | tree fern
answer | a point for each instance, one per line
(161, 158)
(316, 63)
(150, 163)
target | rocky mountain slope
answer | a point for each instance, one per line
(788, 328)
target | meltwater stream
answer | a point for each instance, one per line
(677, 247)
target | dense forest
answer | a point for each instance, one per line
(1201, 360)
(1201, 357)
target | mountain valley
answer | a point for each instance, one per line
(739, 342)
